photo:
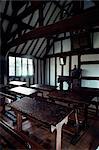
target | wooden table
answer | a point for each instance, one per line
(48, 113)
(44, 89)
(23, 90)
(78, 100)
(70, 97)
(17, 83)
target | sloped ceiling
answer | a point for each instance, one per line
(19, 18)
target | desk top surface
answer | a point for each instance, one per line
(18, 83)
(23, 90)
(43, 87)
(71, 97)
(41, 110)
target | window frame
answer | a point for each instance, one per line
(21, 66)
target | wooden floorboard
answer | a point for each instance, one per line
(41, 135)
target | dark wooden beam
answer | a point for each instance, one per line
(76, 52)
(89, 62)
(87, 19)
(90, 78)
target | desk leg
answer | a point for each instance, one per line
(86, 115)
(19, 122)
(58, 129)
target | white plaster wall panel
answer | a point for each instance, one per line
(58, 67)
(31, 80)
(2, 6)
(47, 71)
(67, 33)
(35, 18)
(90, 70)
(19, 48)
(49, 14)
(14, 27)
(41, 49)
(57, 47)
(43, 53)
(26, 19)
(9, 10)
(91, 57)
(21, 9)
(74, 61)
(90, 83)
(46, 8)
(10, 39)
(55, 17)
(5, 24)
(66, 67)
(16, 36)
(12, 49)
(66, 73)
(58, 72)
(38, 45)
(31, 48)
(51, 51)
(96, 40)
(39, 72)
(51, 41)
(27, 82)
(61, 35)
(23, 31)
(52, 71)
(42, 68)
(35, 73)
(28, 30)
(66, 45)
(26, 46)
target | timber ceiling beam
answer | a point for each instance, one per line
(85, 20)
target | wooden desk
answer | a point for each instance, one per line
(48, 113)
(17, 83)
(44, 89)
(77, 100)
(70, 97)
(23, 90)
(4, 91)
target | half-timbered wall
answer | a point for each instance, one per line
(89, 63)
(18, 20)
(37, 47)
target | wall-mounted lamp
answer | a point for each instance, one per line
(62, 60)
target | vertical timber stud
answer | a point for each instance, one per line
(62, 67)
(79, 66)
(37, 70)
(44, 61)
(49, 71)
